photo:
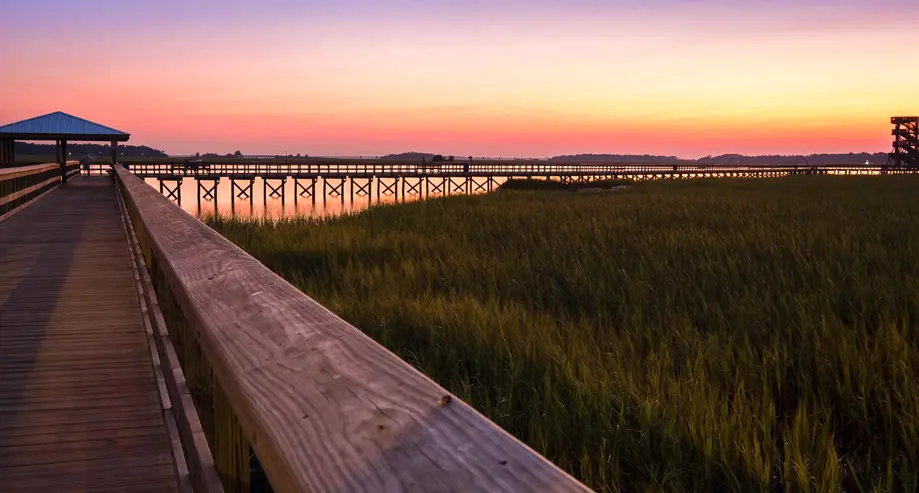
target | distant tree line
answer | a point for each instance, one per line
(410, 155)
(619, 158)
(25, 148)
(811, 159)
(814, 159)
(30, 149)
(214, 154)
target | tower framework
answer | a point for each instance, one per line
(905, 142)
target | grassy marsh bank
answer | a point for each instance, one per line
(554, 185)
(676, 336)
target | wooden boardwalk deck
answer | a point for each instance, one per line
(79, 404)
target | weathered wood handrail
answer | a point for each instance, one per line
(323, 406)
(21, 185)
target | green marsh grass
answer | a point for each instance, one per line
(745, 335)
(550, 185)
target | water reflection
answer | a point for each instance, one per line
(277, 198)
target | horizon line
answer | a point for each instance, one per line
(462, 155)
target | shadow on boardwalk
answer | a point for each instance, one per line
(77, 393)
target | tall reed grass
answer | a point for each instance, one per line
(745, 335)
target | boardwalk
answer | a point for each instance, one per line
(79, 405)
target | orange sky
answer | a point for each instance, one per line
(689, 81)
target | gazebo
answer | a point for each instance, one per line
(59, 127)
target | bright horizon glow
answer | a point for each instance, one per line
(525, 79)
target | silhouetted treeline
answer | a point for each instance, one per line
(29, 149)
(815, 159)
(619, 158)
(812, 159)
(25, 148)
(409, 155)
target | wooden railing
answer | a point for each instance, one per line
(194, 463)
(320, 405)
(21, 185)
(72, 169)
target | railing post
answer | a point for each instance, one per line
(232, 452)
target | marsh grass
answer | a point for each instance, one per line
(754, 335)
(547, 185)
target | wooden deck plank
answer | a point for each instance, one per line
(38, 399)
(84, 353)
(65, 375)
(63, 429)
(126, 430)
(144, 480)
(70, 380)
(101, 326)
(110, 363)
(79, 405)
(51, 417)
(89, 449)
(149, 476)
(97, 466)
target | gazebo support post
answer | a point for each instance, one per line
(114, 152)
(63, 161)
(6, 152)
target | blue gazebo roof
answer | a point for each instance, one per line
(61, 126)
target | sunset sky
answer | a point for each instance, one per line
(482, 77)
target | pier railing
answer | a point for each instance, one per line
(387, 168)
(283, 385)
(21, 185)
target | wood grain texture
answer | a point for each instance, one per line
(325, 407)
(79, 405)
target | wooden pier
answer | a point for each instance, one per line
(376, 169)
(338, 179)
(142, 351)
(80, 408)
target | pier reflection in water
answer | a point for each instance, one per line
(275, 197)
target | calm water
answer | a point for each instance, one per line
(330, 203)
(258, 205)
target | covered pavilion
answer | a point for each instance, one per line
(61, 128)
